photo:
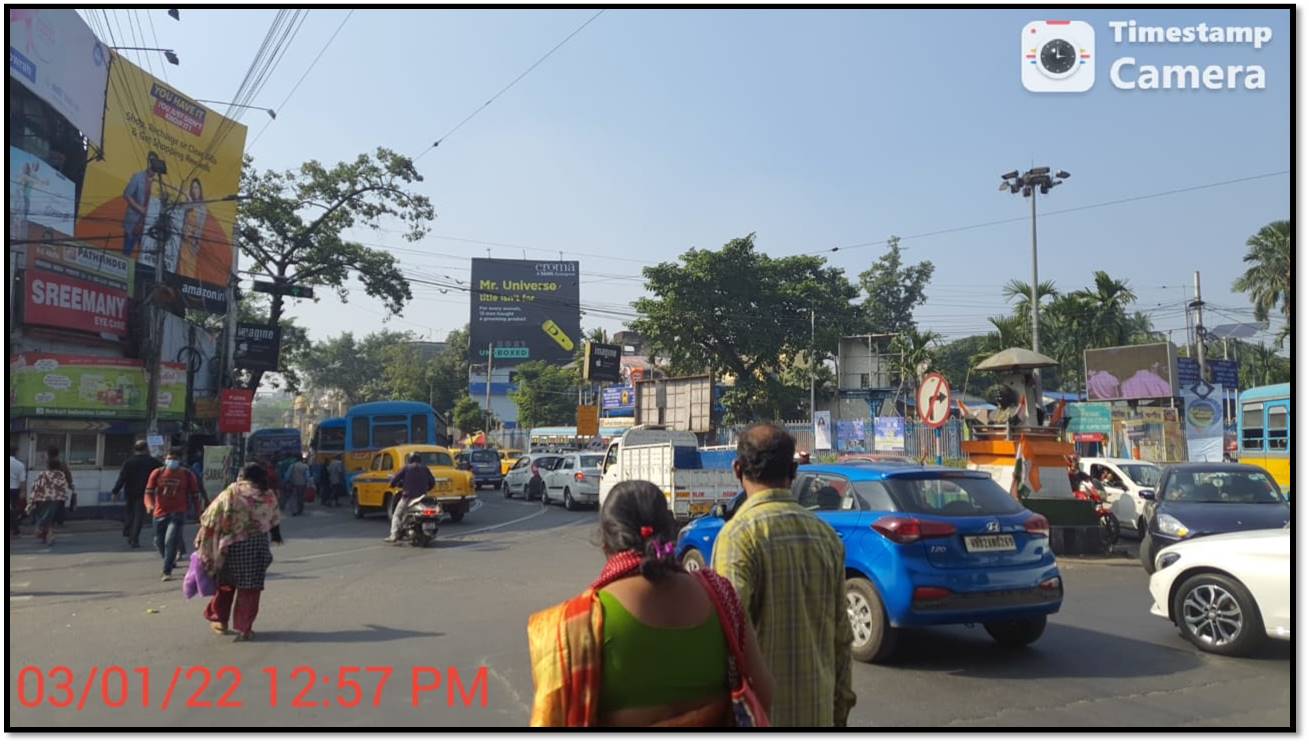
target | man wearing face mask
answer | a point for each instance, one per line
(168, 492)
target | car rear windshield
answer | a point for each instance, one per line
(950, 496)
(1222, 487)
(591, 461)
(485, 456)
(435, 459)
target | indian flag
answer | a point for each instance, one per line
(1027, 477)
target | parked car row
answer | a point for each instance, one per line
(571, 478)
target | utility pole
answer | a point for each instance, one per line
(490, 364)
(154, 360)
(813, 412)
(1198, 305)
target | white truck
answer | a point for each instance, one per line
(670, 460)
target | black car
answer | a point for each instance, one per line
(484, 465)
(1199, 499)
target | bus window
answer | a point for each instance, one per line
(331, 439)
(359, 432)
(1277, 428)
(419, 428)
(389, 431)
(1252, 427)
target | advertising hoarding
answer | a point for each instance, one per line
(618, 397)
(888, 434)
(603, 363)
(92, 387)
(167, 157)
(258, 346)
(527, 309)
(1202, 413)
(235, 410)
(54, 54)
(1090, 418)
(1131, 372)
(75, 287)
(217, 469)
(822, 430)
(38, 195)
(1222, 372)
(851, 436)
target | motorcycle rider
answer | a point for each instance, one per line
(414, 480)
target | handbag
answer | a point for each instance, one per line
(747, 710)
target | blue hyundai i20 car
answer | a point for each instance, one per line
(923, 546)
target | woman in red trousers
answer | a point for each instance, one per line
(234, 545)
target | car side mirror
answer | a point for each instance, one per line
(1147, 494)
(719, 510)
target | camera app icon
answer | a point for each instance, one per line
(1057, 56)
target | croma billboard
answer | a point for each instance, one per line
(526, 310)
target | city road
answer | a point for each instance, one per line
(339, 597)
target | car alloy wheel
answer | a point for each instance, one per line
(861, 618)
(568, 499)
(1217, 614)
(508, 494)
(1212, 614)
(693, 560)
(874, 640)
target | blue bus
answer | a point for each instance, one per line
(328, 441)
(370, 427)
(273, 445)
(1264, 415)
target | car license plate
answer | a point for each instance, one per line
(989, 543)
(429, 528)
(700, 509)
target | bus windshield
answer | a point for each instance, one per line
(331, 438)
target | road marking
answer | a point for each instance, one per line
(537, 513)
(488, 528)
(18, 597)
(19, 584)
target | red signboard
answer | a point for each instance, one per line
(71, 302)
(1091, 437)
(235, 411)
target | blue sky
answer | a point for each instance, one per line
(653, 131)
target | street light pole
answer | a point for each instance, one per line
(1035, 180)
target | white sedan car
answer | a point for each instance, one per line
(1226, 592)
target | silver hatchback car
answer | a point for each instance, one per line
(574, 479)
(527, 476)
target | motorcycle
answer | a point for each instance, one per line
(1110, 529)
(419, 524)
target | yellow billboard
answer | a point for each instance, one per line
(163, 187)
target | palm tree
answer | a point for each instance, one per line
(917, 351)
(1107, 301)
(1019, 293)
(1268, 278)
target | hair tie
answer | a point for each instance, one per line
(646, 532)
(665, 550)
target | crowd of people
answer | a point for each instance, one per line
(762, 638)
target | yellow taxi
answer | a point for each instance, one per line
(371, 489)
(507, 459)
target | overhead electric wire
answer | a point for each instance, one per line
(1112, 202)
(155, 36)
(296, 87)
(505, 89)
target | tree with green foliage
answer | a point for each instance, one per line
(546, 395)
(744, 315)
(1267, 278)
(469, 416)
(290, 225)
(892, 290)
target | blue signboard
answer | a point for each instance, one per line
(618, 400)
(1222, 372)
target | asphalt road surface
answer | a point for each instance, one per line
(339, 597)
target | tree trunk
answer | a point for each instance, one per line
(274, 317)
